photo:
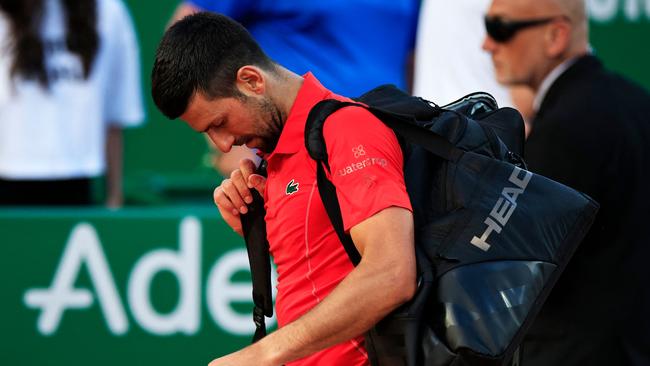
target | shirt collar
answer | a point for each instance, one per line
(292, 137)
(549, 80)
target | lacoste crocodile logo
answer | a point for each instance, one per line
(292, 187)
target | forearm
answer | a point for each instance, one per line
(363, 298)
(384, 279)
(114, 153)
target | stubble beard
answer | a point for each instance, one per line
(271, 124)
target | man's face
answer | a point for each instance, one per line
(521, 60)
(254, 121)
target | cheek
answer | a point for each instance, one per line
(514, 61)
(241, 124)
(501, 61)
(254, 121)
(527, 52)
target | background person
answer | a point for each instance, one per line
(591, 131)
(221, 83)
(449, 62)
(69, 81)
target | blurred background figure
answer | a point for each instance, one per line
(69, 81)
(449, 62)
(591, 131)
(352, 45)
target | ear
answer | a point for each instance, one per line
(251, 80)
(558, 38)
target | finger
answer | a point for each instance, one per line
(257, 182)
(234, 196)
(247, 168)
(230, 216)
(237, 178)
(223, 202)
(233, 221)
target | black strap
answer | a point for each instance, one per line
(330, 201)
(314, 126)
(257, 246)
(418, 135)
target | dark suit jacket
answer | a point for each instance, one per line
(592, 133)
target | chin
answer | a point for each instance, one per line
(254, 144)
(503, 79)
(264, 146)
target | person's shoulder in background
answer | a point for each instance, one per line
(119, 64)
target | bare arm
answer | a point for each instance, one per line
(114, 152)
(383, 280)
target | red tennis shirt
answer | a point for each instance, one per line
(366, 168)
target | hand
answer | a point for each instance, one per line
(233, 195)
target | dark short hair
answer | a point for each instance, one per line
(203, 53)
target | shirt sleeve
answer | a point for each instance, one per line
(366, 165)
(123, 104)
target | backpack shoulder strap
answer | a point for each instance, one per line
(315, 143)
(316, 147)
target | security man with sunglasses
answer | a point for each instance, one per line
(591, 131)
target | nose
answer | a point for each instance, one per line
(489, 44)
(222, 141)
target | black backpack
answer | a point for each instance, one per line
(491, 238)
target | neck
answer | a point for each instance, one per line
(286, 90)
(570, 54)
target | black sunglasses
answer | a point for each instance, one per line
(503, 30)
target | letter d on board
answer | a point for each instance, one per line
(185, 265)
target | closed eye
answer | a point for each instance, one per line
(214, 124)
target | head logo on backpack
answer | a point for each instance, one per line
(504, 207)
